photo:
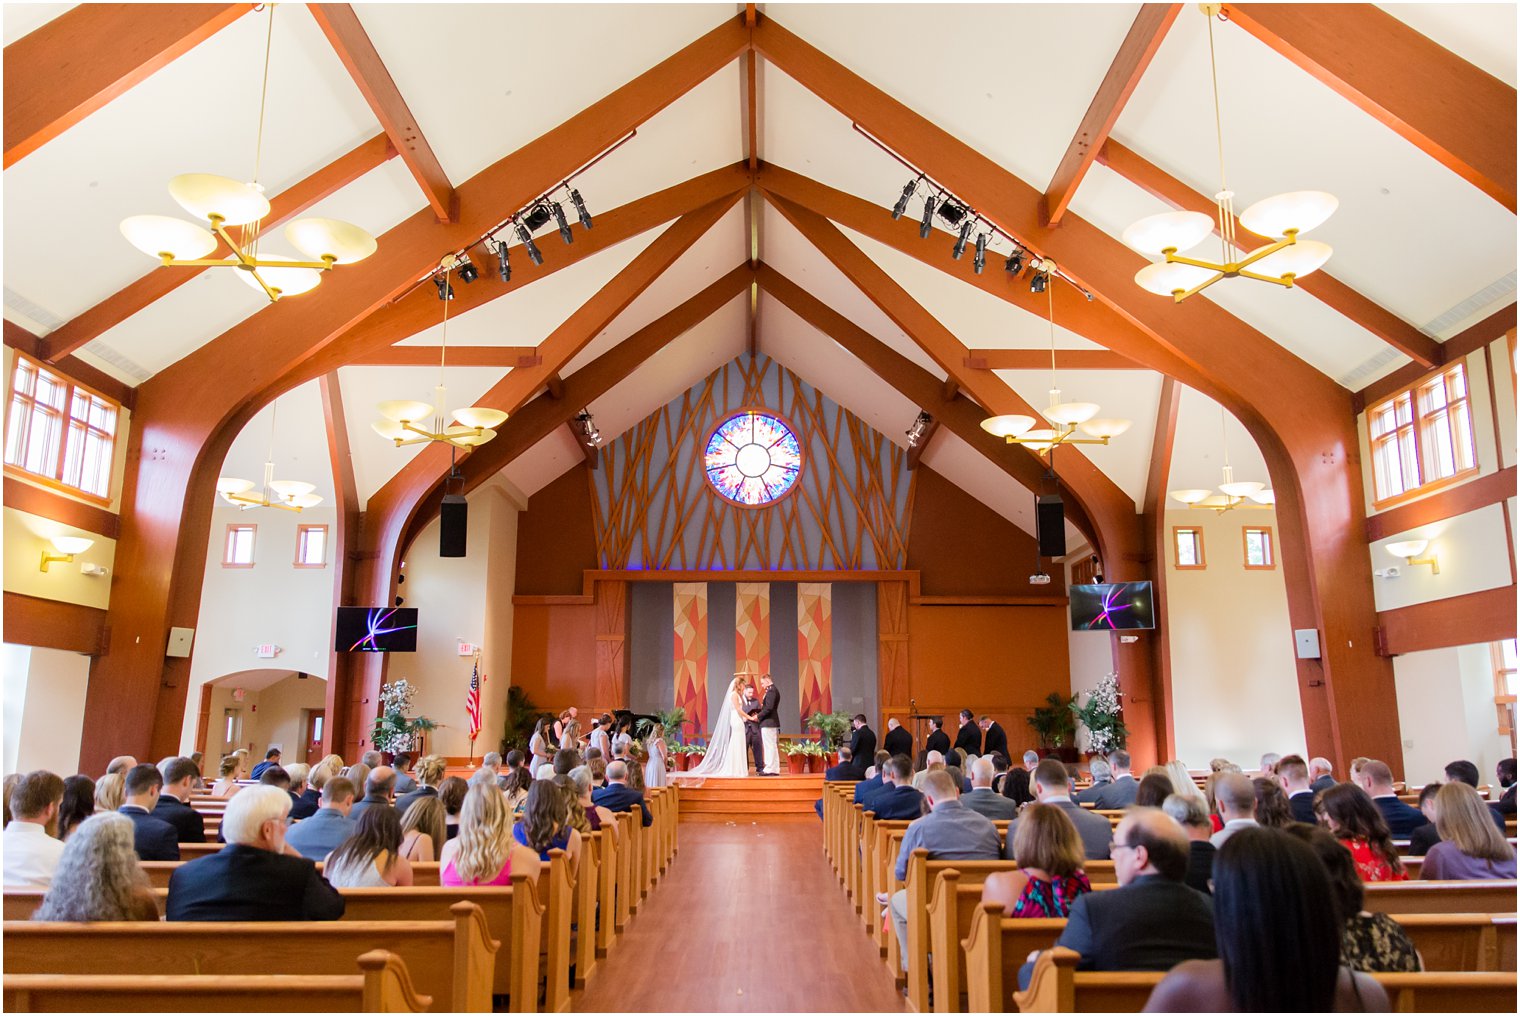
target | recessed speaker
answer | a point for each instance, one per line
(1050, 525)
(453, 522)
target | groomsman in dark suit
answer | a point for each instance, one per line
(153, 838)
(969, 738)
(994, 740)
(862, 745)
(937, 740)
(898, 741)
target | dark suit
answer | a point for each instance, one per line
(863, 749)
(995, 741)
(969, 739)
(303, 805)
(938, 741)
(1200, 866)
(865, 788)
(153, 838)
(1092, 793)
(895, 803)
(752, 732)
(1401, 818)
(369, 801)
(1302, 806)
(1096, 833)
(1322, 784)
(617, 797)
(1150, 924)
(898, 742)
(242, 883)
(1506, 803)
(404, 784)
(1118, 794)
(405, 802)
(262, 767)
(188, 825)
(841, 773)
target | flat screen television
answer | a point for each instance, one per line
(376, 630)
(1111, 606)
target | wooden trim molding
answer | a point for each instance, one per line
(1487, 616)
(23, 496)
(1495, 488)
(1197, 532)
(53, 624)
(1245, 549)
(988, 601)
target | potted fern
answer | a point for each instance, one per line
(393, 731)
(1055, 727)
(796, 757)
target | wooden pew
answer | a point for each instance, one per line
(994, 949)
(1483, 896)
(606, 894)
(556, 886)
(1057, 986)
(588, 884)
(623, 908)
(1455, 942)
(159, 872)
(451, 961)
(383, 985)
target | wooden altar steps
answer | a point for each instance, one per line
(753, 798)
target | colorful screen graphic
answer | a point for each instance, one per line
(753, 458)
(376, 630)
(1111, 606)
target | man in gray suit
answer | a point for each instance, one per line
(1102, 776)
(1052, 787)
(983, 799)
(1119, 794)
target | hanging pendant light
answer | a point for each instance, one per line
(290, 495)
(1232, 493)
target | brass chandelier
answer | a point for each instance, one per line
(1233, 493)
(290, 495)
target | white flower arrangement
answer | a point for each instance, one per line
(1101, 715)
(393, 732)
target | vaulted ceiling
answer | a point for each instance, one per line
(1425, 248)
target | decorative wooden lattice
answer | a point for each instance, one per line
(848, 511)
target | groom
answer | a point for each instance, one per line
(752, 726)
(769, 720)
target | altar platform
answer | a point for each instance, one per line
(753, 798)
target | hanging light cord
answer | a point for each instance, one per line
(443, 352)
(1223, 200)
(274, 409)
(258, 151)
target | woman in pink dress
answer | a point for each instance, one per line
(484, 852)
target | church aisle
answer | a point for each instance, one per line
(748, 919)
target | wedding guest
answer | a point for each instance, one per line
(378, 788)
(868, 786)
(1235, 799)
(519, 781)
(1050, 876)
(1293, 774)
(1423, 837)
(598, 768)
(1016, 786)
(253, 878)
(358, 775)
(597, 817)
(1278, 943)
(154, 839)
(1428, 835)
(1102, 776)
(619, 796)
(271, 758)
(897, 799)
(422, 829)
(654, 747)
(371, 857)
(1321, 774)
(452, 791)
(120, 764)
(226, 784)
(982, 799)
(304, 799)
(1504, 772)
(1272, 807)
(1154, 788)
(1182, 780)
(374, 759)
(1268, 765)
(1376, 779)
(405, 784)
(545, 824)
(198, 758)
(174, 802)
(1188, 810)
(484, 852)
(1372, 943)
(1359, 825)
(109, 792)
(99, 877)
(77, 805)
(316, 837)
(31, 854)
(1121, 792)
(1470, 847)
(933, 762)
(897, 741)
(429, 773)
(7, 787)
(1052, 786)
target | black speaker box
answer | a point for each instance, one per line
(453, 522)
(1050, 525)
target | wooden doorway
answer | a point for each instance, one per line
(316, 728)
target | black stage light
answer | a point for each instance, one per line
(1015, 263)
(527, 241)
(559, 220)
(951, 212)
(467, 270)
(503, 265)
(537, 218)
(927, 225)
(902, 202)
(961, 238)
(1037, 282)
(979, 260)
(580, 207)
(445, 291)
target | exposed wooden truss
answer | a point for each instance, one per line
(458, 356)
(345, 535)
(1039, 359)
(1134, 56)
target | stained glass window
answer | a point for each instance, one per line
(753, 458)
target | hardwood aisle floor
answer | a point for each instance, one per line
(787, 939)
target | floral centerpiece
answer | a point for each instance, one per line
(393, 731)
(1102, 715)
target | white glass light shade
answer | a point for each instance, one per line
(285, 281)
(405, 410)
(305, 500)
(72, 544)
(1267, 496)
(206, 194)
(1217, 501)
(321, 238)
(1167, 280)
(1300, 210)
(1243, 488)
(480, 416)
(232, 485)
(468, 437)
(1298, 259)
(1106, 427)
(1069, 414)
(1191, 495)
(157, 235)
(1043, 435)
(288, 489)
(1403, 548)
(1007, 426)
(1178, 231)
(391, 430)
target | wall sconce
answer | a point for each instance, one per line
(1410, 551)
(67, 546)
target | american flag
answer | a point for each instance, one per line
(472, 700)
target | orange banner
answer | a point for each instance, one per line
(815, 648)
(752, 628)
(691, 653)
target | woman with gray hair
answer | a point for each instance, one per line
(99, 877)
(1192, 813)
(597, 817)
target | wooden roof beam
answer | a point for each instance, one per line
(1134, 56)
(352, 44)
(1455, 112)
(1163, 442)
(1039, 359)
(1323, 286)
(157, 284)
(82, 59)
(458, 356)
(345, 534)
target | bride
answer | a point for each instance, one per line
(725, 749)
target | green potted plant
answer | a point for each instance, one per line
(834, 730)
(796, 757)
(1054, 725)
(817, 757)
(522, 714)
(1102, 716)
(393, 731)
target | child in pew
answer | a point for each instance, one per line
(484, 852)
(1279, 944)
(371, 857)
(1371, 943)
(1050, 876)
(99, 877)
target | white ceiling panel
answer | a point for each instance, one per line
(1198, 453)
(300, 443)
(23, 19)
(197, 115)
(544, 463)
(965, 467)
(1481, 34)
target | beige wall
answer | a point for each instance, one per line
(1234, 682)
(1446, 711)
(44, 709)
(271, 715)
(27, 535)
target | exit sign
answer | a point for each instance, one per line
(266, 651)
(468, 649)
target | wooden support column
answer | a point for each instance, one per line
(1163, 443)
(611, 599)
(894, 689)
(345, 541)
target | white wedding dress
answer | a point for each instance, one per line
(726, 755)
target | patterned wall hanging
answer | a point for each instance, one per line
(691, 652)
(815, 648)
(752, 628)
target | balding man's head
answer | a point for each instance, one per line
(1051, 780)
(381, 782)
(939, 786)
(934, 758)
(1236, 796)
(981, 773)
(1150, 842)
(1031, 759)
(120, 764)
(1376, 778)
(617, 772)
